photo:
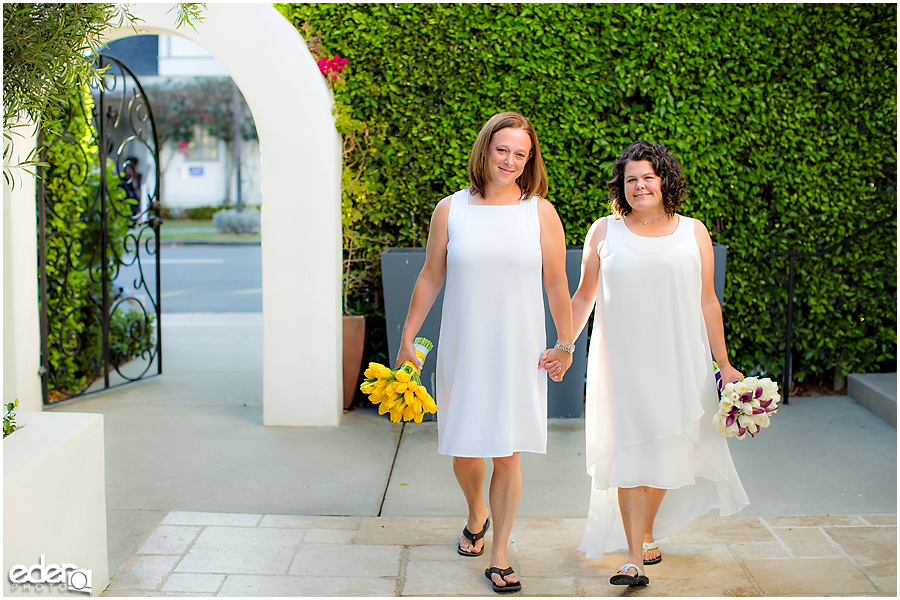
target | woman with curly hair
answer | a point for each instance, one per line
(653, 453)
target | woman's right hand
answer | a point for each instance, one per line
(407, 352)
(554, 368)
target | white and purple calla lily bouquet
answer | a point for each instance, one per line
(745, 405)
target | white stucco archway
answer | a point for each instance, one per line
(301, 211)
(301, 216)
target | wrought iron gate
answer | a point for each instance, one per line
(98, 239)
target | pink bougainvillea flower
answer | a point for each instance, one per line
(331, 66)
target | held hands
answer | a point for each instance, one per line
(556, 362)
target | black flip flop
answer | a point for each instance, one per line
(474, 537)
(503, 573)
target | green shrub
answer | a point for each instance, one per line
(232, 221)
(203, 213)
(131, 335)
(782, 115)
(9, 421)
(194, 213)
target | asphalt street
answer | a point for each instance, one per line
(201, 278)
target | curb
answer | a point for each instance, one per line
(877, 392)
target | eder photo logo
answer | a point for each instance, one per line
(60, 577)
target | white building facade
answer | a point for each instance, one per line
(203, 173)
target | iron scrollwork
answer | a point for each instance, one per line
(99, 219)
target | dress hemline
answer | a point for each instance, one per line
(492, 455)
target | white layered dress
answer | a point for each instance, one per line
(491, 395)
(651, 392)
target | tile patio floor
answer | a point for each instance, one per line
(193, 440)
(228, 554)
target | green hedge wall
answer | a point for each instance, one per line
(783, 117)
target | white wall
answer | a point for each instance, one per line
(188, 183)
(54, 498)
(181, 57)
(21, 324)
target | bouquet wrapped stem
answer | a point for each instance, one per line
(400, 391)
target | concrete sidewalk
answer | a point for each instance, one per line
(204, 500)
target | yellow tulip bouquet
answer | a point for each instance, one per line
(400, 391)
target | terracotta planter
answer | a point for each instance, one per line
(354, 347)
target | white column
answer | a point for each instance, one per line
(21, 326)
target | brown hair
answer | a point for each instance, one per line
(665, 165)
(533, 180)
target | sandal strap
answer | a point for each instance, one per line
(650, 546)
(474, 537)
(503, 573)
(626, 566)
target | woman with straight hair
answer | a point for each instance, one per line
(493, 245)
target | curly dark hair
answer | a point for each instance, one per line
(665, 165)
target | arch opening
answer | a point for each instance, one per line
(301, 216)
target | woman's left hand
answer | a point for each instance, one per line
(555, 368)
(730, 374)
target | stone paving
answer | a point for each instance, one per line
(204, 500)
(230, 554)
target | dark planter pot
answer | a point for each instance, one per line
(720, 254)
(400, 268)
(354, 348)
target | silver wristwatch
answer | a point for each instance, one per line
(570, 348)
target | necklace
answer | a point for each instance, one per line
(648, 222)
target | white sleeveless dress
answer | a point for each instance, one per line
(491, 395)
(651, 390)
